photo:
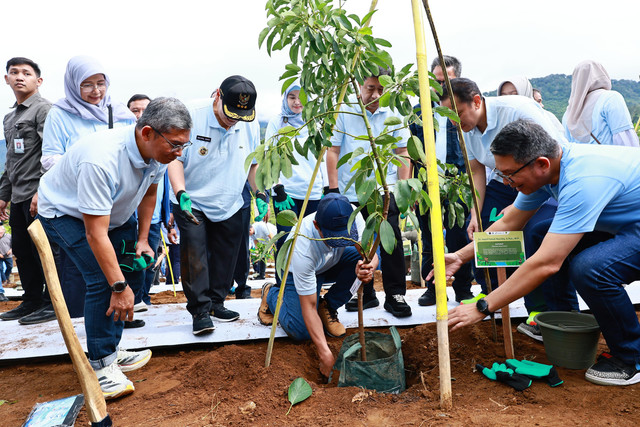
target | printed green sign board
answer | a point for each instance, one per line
(499, 249)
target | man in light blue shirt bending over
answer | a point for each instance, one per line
(593, 241)
(86, 204)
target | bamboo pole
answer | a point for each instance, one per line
(433, 186)
(463, 148)
(166, 251)
(341, 96)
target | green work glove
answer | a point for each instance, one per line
(262, 205)
(129, 262)
(500, 372)
(281, 200)
(142, 263)
(185, 205)
(535, 370)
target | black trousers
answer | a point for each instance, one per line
(241, 272)
(394, 277)
(456, 238)
(208, 255)
(27, 258)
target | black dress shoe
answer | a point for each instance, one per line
(18, 312)
(428, 298)
(3, 297)
(41, 315)
(130, 324)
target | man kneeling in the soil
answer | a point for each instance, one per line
(593, 241)
(86, 204)
(315, 262)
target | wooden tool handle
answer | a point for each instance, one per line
(95, 403)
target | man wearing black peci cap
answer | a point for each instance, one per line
(303, 314)
(208, 180)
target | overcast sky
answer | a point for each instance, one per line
(186, 48)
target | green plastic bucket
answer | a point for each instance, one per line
(570, 338)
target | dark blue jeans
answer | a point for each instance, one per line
(597, 268)
(149, 274)
(6, 265)
(290, 317)
(103, 334)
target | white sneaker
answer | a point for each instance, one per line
(131, 360)
(140, 307)
(113, 382)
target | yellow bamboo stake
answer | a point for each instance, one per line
(435, 212)
(166, 251)
(341, 96)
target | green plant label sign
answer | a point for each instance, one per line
(499, 249)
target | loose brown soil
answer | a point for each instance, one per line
(211, 386)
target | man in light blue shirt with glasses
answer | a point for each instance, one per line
(86, 205)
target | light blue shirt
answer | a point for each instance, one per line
(598, 189)
(501, 111)
(214, 171)
(102, 174)
(157, 211)
(610, 116)
(349, 126)
(311, 257)
(297, 185)
(62, 129)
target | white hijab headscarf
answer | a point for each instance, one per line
(522, 84)
(589, 80)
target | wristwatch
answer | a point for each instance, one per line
(483, 307)
(119, 287)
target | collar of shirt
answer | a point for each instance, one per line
(492, 117)
(132, 150)
(29, 101)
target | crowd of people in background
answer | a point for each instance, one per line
(118, 187)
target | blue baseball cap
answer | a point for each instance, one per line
(332, 217)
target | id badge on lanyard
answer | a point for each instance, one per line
(18, 143)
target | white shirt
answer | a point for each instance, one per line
(311, 257)
(500, 112)
(349, 126)
(214, 171)
(102, 174)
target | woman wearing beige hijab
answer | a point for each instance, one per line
(596, 114)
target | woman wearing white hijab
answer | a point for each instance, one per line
(522, 86)
(87, 108)
(596, 114)
(516, 86)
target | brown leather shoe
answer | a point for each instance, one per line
(329, 317)
(264, 314)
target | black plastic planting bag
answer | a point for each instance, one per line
(384, 369)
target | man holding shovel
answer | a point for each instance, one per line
(593, 241)
(324, 252)
(86, 205)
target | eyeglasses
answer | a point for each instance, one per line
(508, 177)
(174, 147)
(90, 87)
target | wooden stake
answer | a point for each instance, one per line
(506, 319)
